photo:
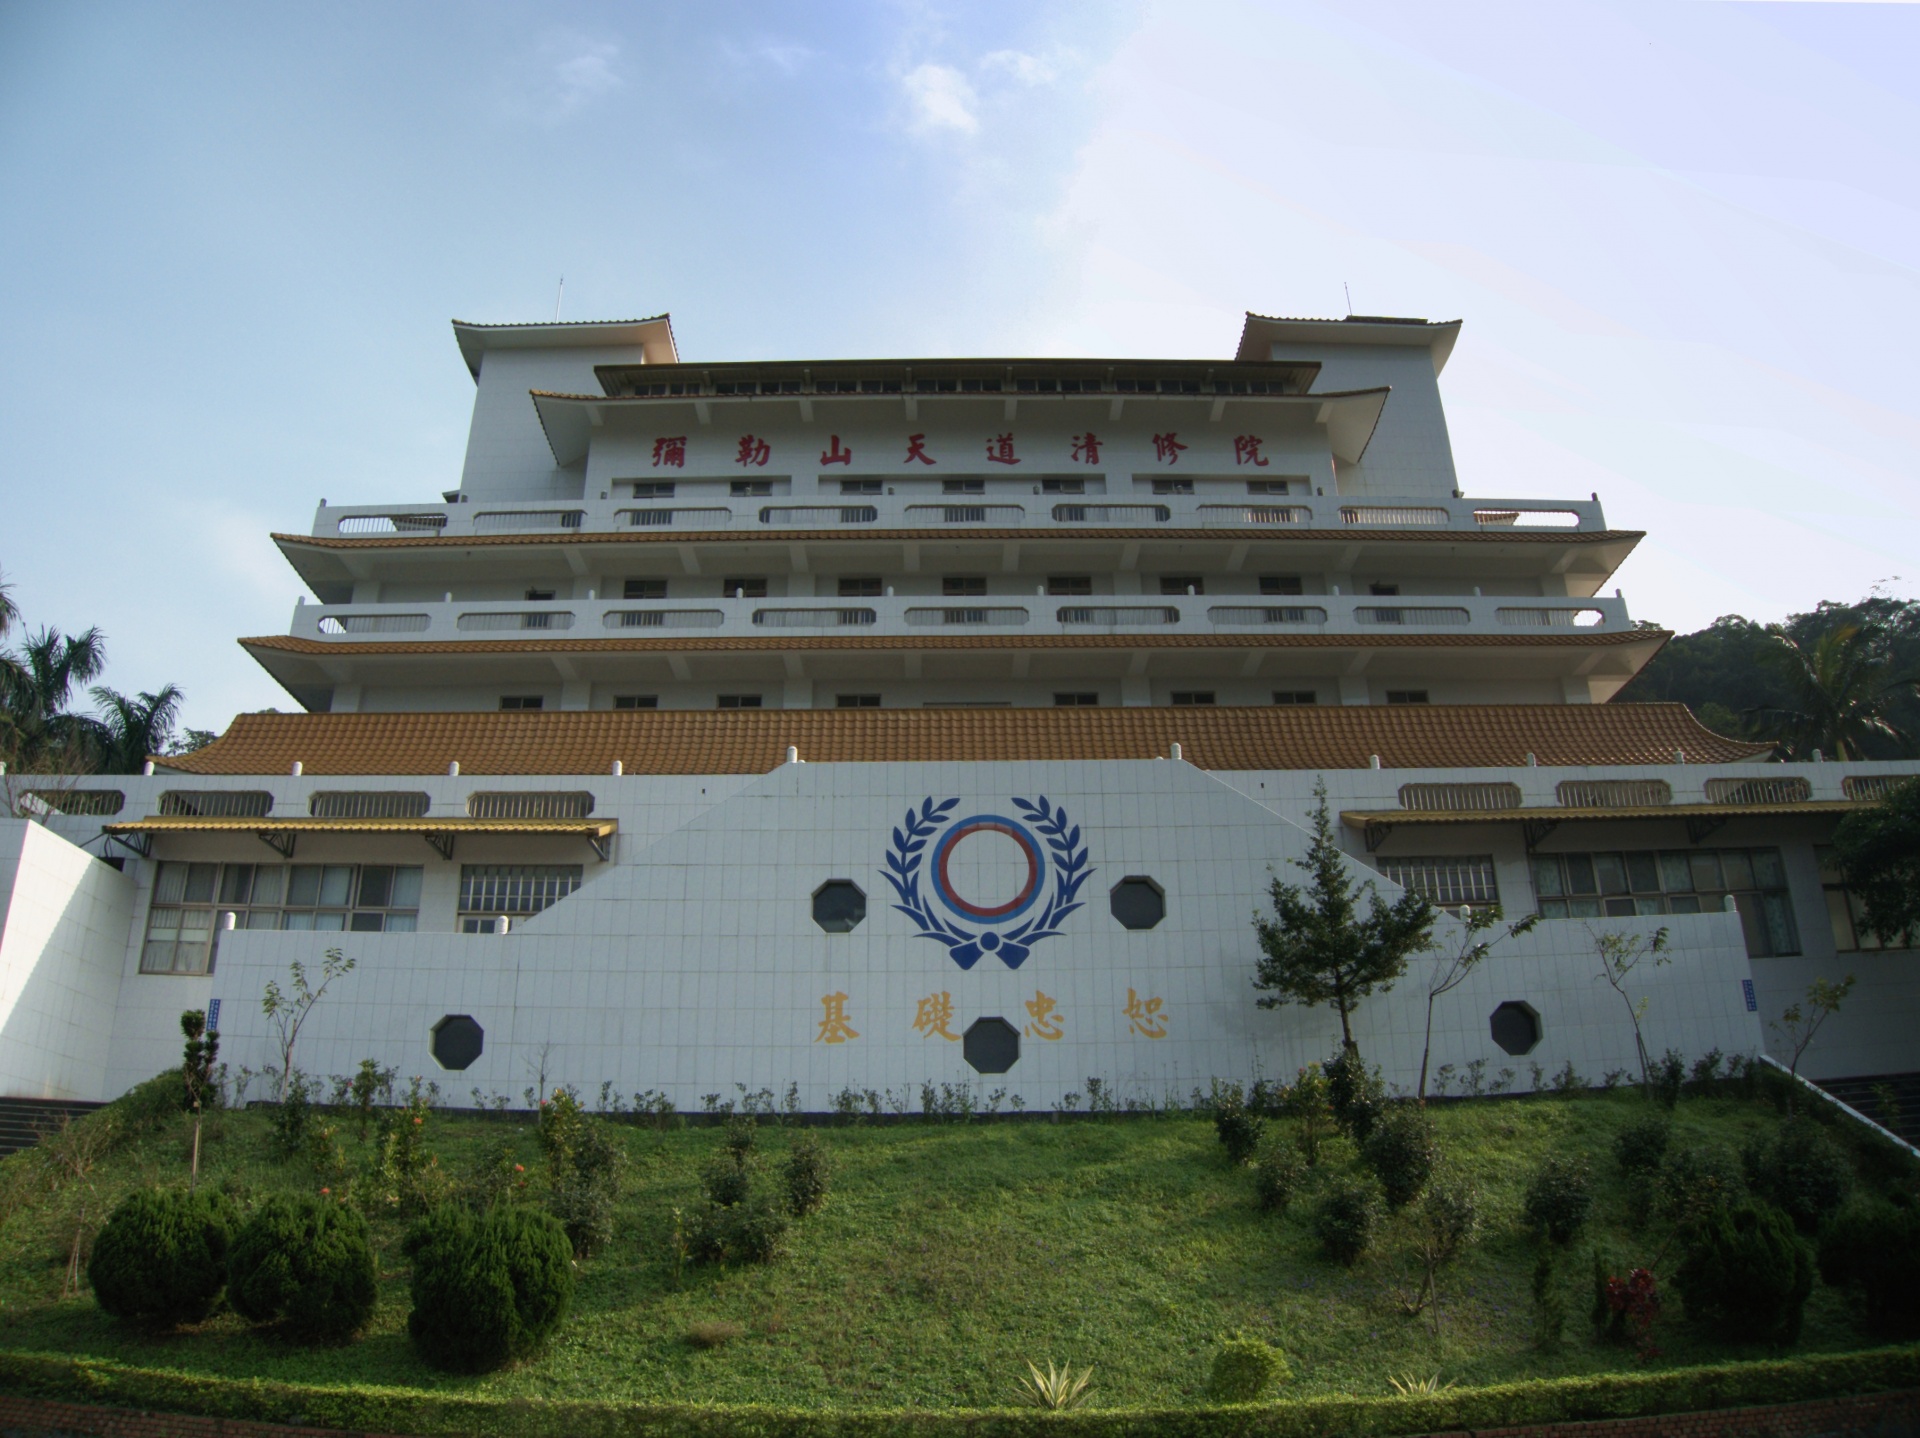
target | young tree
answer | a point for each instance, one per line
(1452, 967)
(1879, 850)
(288, 1012)
(202, 1048)
(1798, 1026)
(1318, 948)
(1620, 954)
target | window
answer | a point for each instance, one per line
(746, 488)
(1079, 699)
(739, 701)
(1069, 584)
(1388, 590)
(1192, 696)
(1406, 696)
(856, 701)
(658, 489)
(644, 589)
(861, 588)
(539, 596)
(1281, 584)
(1182, 584)
(743, 587)
(1173, 486)
(859, 486)
(183, 921)
(1268, 486)
(512, 891)
(1447, 882)
(963, 486)
(521, 701)
(1687, 881)
(1296, 696)
(1843, 911)
(636, 701)
(530, 804)
(963, 585)
(1063, 486)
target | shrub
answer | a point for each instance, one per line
(1876, 1247)
(753, 1230)
(1639, 1147)
(1558, 1199)
(1344, 1219)
(1401, 1151)
(1665, 1076)
(487, 1288)
(1277, 1175)
(727, 1179)
(293, 1116)
(1692, 1181)
(1246, 1370)
(583, 1172)
(1745, 1273)
(404, 1177)
(808, 1176)
(1306, 1100)
(1802, 1172)
(1237, 1126)
(739, 1135)
(162, 1257)
(1354, 1093)
(307, 1261)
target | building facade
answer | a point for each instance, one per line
(865, 725)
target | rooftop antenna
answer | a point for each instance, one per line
(559, 295)
(1343, 285)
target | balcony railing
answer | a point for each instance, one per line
(1118, 616)
(818, 516)
(528, 521)
(1249, 614)
(1121, 515)
(1412, 616)
(1539, 617)
(374, 623)
(812, 618)
(999, 515)
(995, 616)
(663, 618)
(518, 619)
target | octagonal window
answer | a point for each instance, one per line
(457, 1041)
(991, 1046)
(1516, 1027)
(839, 905)
(1138, 902)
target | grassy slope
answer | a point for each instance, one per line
(947, 1256)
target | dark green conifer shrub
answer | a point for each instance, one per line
(1639, 1147)
(1802, 1172)
(1666, 1076)
(1356, 1094)
(808, 1176)
(1699, 1179)
(162, 1256)
(306, 1260)
(1246, 1370)
(487, 1288)
(1277, 1176)
(1345, 1217)
(1402, 1151)
(1745, 1273)
(1558, 1199)
(1876, 1247)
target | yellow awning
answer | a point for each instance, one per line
(281, 834)
(1701, 819)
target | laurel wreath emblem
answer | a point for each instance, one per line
(964, 947)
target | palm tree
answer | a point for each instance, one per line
(9, 612)
(1841, 693)
(135, 728)
(35, 690)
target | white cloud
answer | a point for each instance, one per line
(584, 75)
(555, 80)
(942, 99)
(1027, 69)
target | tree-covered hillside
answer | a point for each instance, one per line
(1840, 679)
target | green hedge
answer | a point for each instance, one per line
(403, 1410)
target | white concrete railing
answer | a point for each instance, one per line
(703, 507)
(1042, 614)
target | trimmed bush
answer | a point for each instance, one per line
(1277, 1176)
(162, 1257)
(1558, 1199)
(1802, 1172)
(1356, 1094)
(1639, 1147)
(1691, 1181)
(808, 1174)
(489, 1288)
(1876, 1247)
(1237, 1127)
(728, 1178)
(306, 1261)
(751, 1231)
(1344, 1219)
(1745, 1273)
(1402, 1151)
(1246, 1370)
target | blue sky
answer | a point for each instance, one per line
(1683, 237)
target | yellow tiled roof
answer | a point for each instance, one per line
(748, 741)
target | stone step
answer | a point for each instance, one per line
(25, 1121)
(1866, 1093)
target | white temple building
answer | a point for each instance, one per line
(869, 724)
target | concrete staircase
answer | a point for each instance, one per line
(1860, 1093)
(24, 1121)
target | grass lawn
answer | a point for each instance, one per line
(948, 1255)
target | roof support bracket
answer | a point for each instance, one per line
(602, 845)
(1700, 826)
(281, 841)
(1537, 829)
(1376, 834)
(141, 844)
(441, 843)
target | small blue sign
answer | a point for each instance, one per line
(1753, 1004)
(213, 1010)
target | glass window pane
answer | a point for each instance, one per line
(1553, 908)
(195, 923)
(1649, 906)
(303, 885)
(299, 920)
(402, 923)
(1584, 908)
(1783, 934)
(1706, 870)
(1643, 873)
(1868, 939)
(236, 883)
(406, 888)
(366, 923)
(1829, 866)
(1841, 921)
(1733, 862)
(164, 924)
(336, 885)
(1546, 876)
(1611, 873)
(157, 957)
(1683, 904)
(376, 885)
(200, 879)
(1753, 924)
(1768, 871)
(170, 887)
(1619, 908)
(267, 882)
(1676, 874)
(1580, 875)
(335, 920)
(263, 919)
